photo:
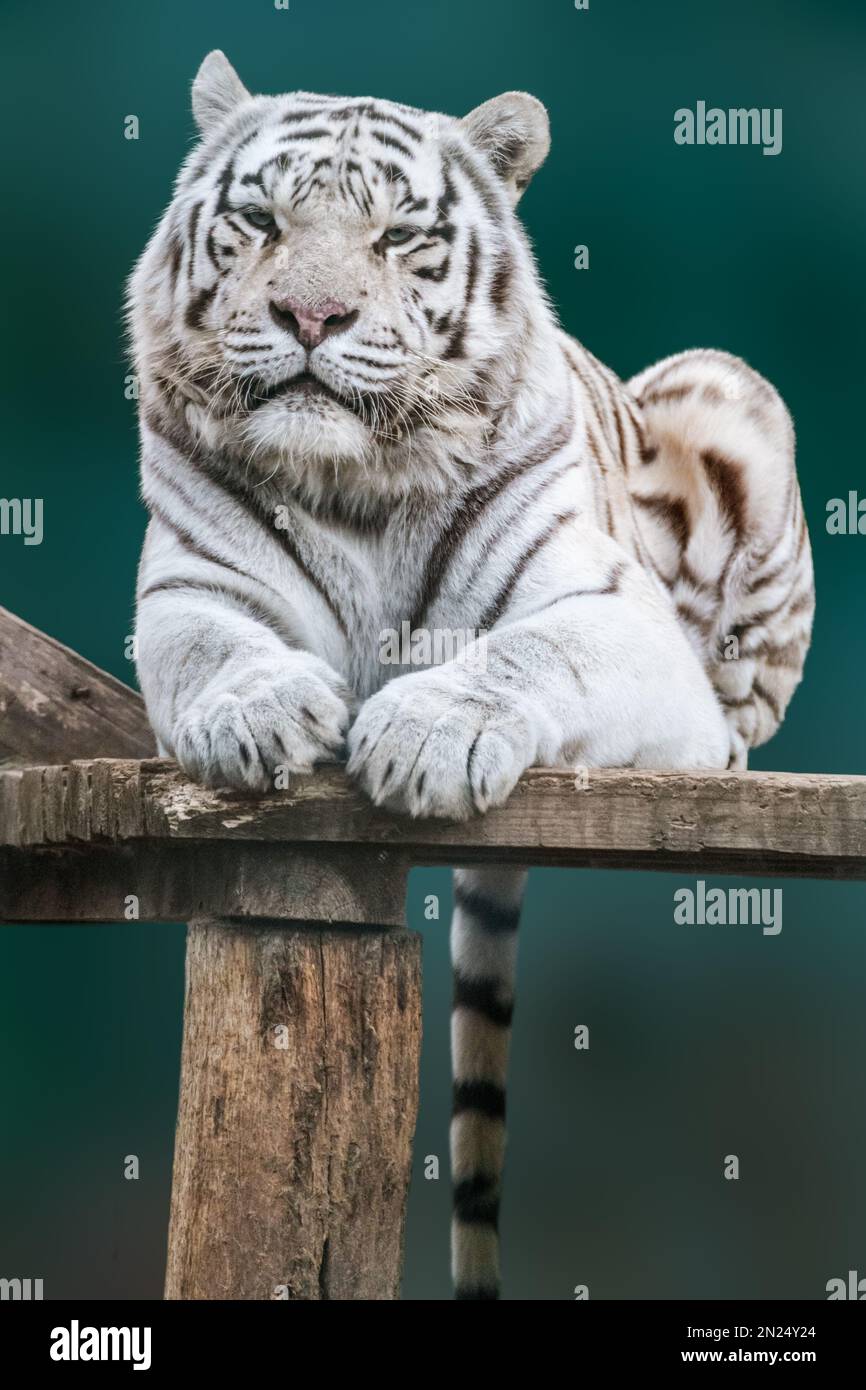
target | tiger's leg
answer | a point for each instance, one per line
(602, 677)
(720, 511)
(226, 696)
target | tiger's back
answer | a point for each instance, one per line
(695, 466)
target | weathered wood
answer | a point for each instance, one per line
(717, 822)
(173, 882)
(54, 705)
(297, 1110)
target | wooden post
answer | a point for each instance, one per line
(298, 1098)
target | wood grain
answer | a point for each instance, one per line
(298, 1098)
(55, 705)
(172, 882)
(752, 822)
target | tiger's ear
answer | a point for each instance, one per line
(216, 91)
(514, 132)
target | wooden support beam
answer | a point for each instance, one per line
(54, 705)
(169, 882)
(711, 822)
(298, 1097)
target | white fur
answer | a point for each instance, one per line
(573, 672)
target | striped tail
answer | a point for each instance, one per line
(483, 955)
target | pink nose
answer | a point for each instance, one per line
(311, 326)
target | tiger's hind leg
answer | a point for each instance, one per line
(719, 508)
(487, 905)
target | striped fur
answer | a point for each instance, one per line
(358, 411)
(483, 956)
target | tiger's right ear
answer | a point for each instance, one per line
(514, 132)
(216, 91)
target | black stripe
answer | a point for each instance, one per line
(500, 283)
(192, 226)
(317, 133)
(210, 248)
(188, 540)
(306, 115)
(483, 997)
(175, 256)
(393, 173)
(464, 521)
(250, 606)
(392, 143)
(448, 196)
(241, 231)
(436, 273)
(454, 348)
(497, 606)
(412, 204)
(611, 587)
(407, 129)
(769, 699)
(475, 1201)
(668, 395)
(725, 477)
(235, 489)
(489, 197)
(670, 510)
(484, 1097)
(506, 526)
(184, 536)
(486, 913)
(314, 182)
(199, 305)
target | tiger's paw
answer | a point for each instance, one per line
(279, 717)
(438, 744)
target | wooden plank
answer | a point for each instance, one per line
(166, 881)
(55, 706)
(754, 822)
(298, 1098)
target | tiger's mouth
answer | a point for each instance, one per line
(303, 384)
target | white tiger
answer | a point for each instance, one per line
(358, 410)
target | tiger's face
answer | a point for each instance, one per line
(336, 277)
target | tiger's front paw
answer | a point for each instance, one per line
(436, 744)
(280, 716)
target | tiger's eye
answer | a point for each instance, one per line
(396, 236)
(260, 217)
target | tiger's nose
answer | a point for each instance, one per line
(312, 326)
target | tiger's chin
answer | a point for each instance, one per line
(309, 436)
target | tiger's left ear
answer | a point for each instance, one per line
(514, 132)
(216, 91)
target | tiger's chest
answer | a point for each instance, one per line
(428, 586)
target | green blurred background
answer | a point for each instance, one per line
(704, 1041)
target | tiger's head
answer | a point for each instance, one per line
(338, 280)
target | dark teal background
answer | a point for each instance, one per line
(704, 1041)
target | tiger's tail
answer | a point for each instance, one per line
(483, 955)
